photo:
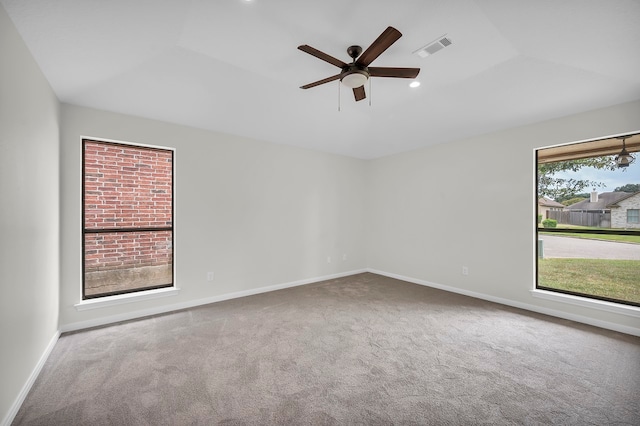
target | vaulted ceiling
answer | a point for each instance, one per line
(232, 65)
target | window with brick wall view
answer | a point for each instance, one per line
(127, 218)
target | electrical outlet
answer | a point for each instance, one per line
(210, 276)
(465, 270)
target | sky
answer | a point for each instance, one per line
(612, 179)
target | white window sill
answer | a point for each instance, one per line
(602, 305)
(125, 298)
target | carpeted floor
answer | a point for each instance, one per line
(364, 349)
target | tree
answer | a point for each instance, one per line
(572, 200)
(555, 188)
(630, 187)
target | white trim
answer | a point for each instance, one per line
(119, 299)
(615, 135)
(192, 303)
(537, 293)
(15, 407)
(121, 142)
(635, 312)
(618, 308)
(635, 331)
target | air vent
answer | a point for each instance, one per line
(433, 47)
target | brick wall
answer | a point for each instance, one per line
(127, 187)
(619, 214)
(125, 250)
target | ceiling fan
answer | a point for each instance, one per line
(356, 73)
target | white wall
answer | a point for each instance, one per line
(260, 214)
(472, 203)
(29, 216)
(256, 214)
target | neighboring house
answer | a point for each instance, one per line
(625, 213)
(614, 209)
(546, 205)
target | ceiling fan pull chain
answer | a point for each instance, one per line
(338, 96)
(370, 92)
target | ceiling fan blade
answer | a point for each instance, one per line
(394, 72)
(359, 93)
(321, 55)
(382, 43)
(319, 82)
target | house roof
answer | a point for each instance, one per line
(629, 195)
(605, 200)
(545, 202)
(233, 66)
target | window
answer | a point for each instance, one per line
(127, 218)
(590, 247)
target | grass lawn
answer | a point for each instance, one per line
(615, 279)
(567, 226)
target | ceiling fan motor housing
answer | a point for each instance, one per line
(354, 51)
(354, 76)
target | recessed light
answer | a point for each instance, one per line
(414, 84)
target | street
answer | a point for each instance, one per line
(569, 247)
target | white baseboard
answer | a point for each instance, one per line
(15, 407)
(177, 306)
(551, 312)
(198, 302)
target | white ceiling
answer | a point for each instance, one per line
(232, 65)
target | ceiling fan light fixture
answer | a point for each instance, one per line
(355, 74)
(624, 159)
(355, 78)
(414, 84)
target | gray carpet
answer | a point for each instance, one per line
(364, 349)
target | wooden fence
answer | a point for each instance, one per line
(602, 220)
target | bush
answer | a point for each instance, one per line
(539, 218)
(549, 223)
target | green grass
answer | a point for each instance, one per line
(615, 279)
(566, 226)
